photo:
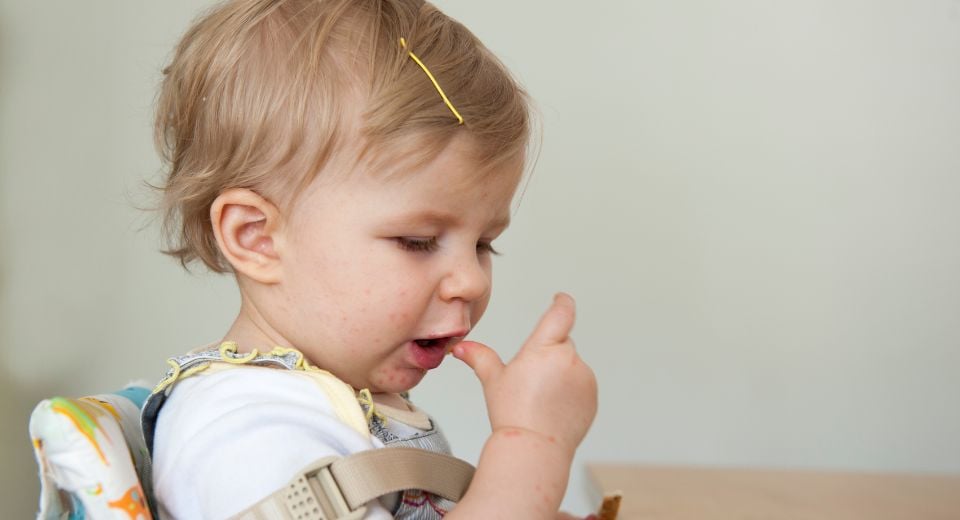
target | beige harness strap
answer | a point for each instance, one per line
(337, 488)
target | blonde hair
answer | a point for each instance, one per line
(261, 93)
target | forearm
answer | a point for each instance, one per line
(521, 474)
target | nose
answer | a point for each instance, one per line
(468, 279)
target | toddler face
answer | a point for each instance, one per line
(381, 277)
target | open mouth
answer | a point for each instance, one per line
(435, 342)
(429, 352)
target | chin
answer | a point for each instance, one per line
(403, 383)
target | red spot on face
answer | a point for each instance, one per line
(399, 318)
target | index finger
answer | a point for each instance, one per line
(556, 323)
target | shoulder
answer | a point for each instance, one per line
(251, 427)
(224, 387)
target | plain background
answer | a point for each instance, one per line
(756, 204)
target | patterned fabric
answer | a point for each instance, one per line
(414, 504)
(92, 457)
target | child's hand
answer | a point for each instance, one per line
(546, 388)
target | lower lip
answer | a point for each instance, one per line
(426, 358)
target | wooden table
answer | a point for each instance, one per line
(697, 493)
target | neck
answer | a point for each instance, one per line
(250, 330)
(391, 400)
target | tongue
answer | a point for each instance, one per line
(428, 357)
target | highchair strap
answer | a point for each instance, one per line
(336, 488)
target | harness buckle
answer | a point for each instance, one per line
(315, 495)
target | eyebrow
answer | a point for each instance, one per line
(444, 218)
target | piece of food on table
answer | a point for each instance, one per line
(610, 506)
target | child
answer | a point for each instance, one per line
(351, 163)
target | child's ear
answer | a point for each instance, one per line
(244, 224)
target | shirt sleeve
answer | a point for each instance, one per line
(225, 441)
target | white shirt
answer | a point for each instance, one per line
(226, 440)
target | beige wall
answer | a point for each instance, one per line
(756, 204)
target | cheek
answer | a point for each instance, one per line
(372, 304)
(385, 377)
(478, 308)
(395, 380)
(480, 305)
(399, 317)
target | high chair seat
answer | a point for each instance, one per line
(91, 455)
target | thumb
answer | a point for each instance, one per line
(556, 323)
(481, 358)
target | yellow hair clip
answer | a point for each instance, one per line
(403, 43)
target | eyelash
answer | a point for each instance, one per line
(487, 247)
(420, 245)
(425, 245)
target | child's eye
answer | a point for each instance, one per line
(486, 247)
(417, 244)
